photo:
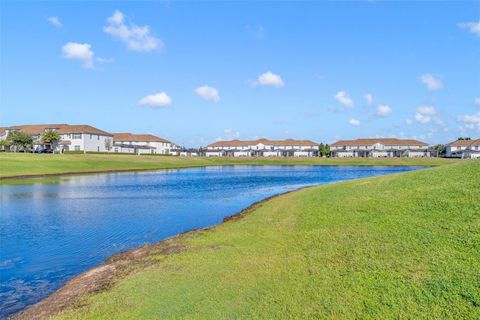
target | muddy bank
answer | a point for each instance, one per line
(105, 275)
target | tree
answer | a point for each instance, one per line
(3, 144)
(19, 140)
(440, 149)
(50, 136)
(464, 138)
(324, 150)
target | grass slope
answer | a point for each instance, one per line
(20, 164)
(398, 246)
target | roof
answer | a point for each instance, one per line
(132, 146)
(2, 131)
(60, 128)
(384, 141)
(137, 137)
(464, 143)
(239, 143)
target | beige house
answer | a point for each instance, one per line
(463, 149)
(262, 148)
(141, 144)
(379, 148)
(73, 137)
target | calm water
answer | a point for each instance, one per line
(51, 231)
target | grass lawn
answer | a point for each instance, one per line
(392, 247)
(20, 164)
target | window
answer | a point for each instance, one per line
(116, 149)
(77, 148)
(98, 137)
(98, 149)
(77, 136)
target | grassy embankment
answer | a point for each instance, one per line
(47, 164)
(397, 246)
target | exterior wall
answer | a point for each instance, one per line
(449, 152)
(418, 154)
(188, 154)
(213, 154)
(160, 147)
(271, 154)
(95, 142)
(344, 154)
(242, 154)
(380, 154)
(303, 154)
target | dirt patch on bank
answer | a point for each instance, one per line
(101, 278)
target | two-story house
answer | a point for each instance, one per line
(72, 137)
(463, 149)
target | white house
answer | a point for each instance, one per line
(73, 137)
(463, 149)
(141, 144)
(379, 148)
(262, 148)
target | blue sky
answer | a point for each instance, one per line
(194, 72)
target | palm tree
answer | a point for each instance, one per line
(51, 137)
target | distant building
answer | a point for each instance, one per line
(463, 149)
(262, 148)
(379, 148)
(73, 137)
(141, 144)
(184, 152)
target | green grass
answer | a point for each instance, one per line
(20, 164)
(403, 246)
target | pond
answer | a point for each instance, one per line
(51, 230)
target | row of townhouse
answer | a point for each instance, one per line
(262, 148)
(380, 148)
(463, 149)
(90, 139)
(390, 148)
(142, 144)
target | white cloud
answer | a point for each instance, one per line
(476, 101)
(105, 60)
(368, 98)
(136, 38)
(343, 98)
(55, 21)
(269, 79)
(79, 51)
(471, 121)
(473, 27)
(383, 110)
(433, 82)
(408, 121)
(354, 122)
(158, 100)
(208, 93)
(425, 114)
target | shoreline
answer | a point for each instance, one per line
(104, 275)
(133, 170)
